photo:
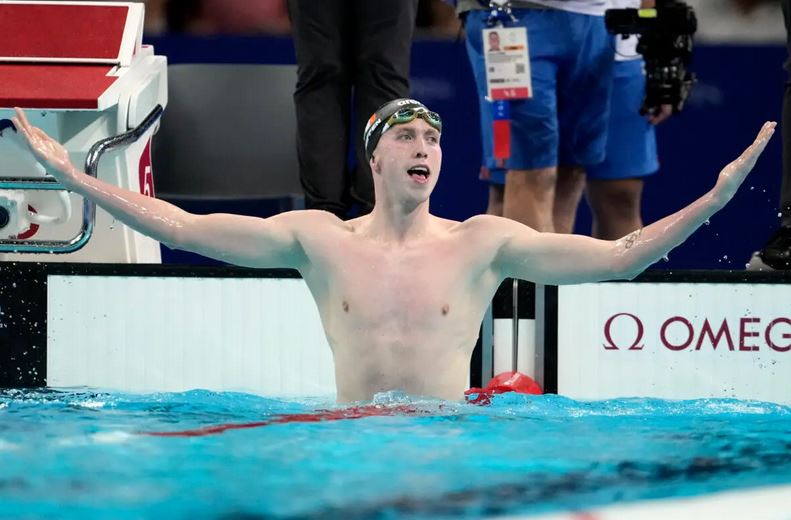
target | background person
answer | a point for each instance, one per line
(352, 56)
(562, 128)
(776, 254)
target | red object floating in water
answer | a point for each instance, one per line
(501, 384)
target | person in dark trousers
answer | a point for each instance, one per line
(352, 56)
(776, 254)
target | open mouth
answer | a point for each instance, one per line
(419, 173)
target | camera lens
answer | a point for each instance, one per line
(5, 217)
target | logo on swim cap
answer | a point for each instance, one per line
(370, 127)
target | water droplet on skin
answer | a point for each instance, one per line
(706, 222)
(666, 258)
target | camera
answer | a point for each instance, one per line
(665, 41)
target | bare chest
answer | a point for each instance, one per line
(412, 287)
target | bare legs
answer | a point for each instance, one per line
(546, 199)
(615, 205)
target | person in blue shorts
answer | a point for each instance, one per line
(614, 186)
(562, 129)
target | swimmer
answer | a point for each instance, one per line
(401, 293)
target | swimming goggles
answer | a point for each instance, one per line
(406, 115)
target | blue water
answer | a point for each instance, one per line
(81, 455)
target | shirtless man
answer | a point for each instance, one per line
(401, 293)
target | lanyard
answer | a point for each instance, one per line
(499, 12)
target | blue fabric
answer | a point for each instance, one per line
(565, 122)
(631, 140)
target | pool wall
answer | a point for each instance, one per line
(144, 328)
(675, 336)
(172, 328)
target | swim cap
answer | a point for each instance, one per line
(385, 118)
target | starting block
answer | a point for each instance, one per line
(81, 73)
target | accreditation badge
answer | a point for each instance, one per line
(507, 63)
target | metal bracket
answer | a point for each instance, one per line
(88, 207)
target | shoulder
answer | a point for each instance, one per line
(312, 220)
(498, 235)
(491, 226)
(481, 221)
(490, 234)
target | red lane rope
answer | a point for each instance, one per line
(355, 412)
(501, 383)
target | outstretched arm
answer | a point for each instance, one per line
(561, 259)
(247, 241)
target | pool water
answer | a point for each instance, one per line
(86, 454)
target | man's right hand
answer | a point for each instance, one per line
(46, 149)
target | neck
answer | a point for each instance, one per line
(398, 221)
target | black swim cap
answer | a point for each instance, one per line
(376, 125)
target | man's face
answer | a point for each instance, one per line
(408, 158)
(494, 41)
